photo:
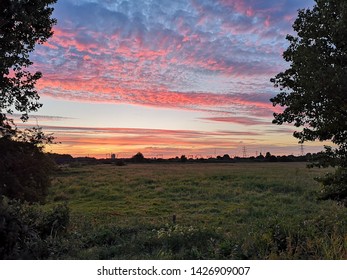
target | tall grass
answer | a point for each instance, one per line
(237, 211)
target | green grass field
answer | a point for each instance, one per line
(232, 210)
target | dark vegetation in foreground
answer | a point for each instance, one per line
(221, 211)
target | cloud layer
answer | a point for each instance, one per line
(125, 142)
(213, 58)
(185, 54)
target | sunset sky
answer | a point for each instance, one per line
(165, 77)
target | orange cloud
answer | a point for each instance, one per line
(98, 141)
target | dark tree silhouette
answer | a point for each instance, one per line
(24, 168)
(24, 171)
(138, 157)
(226, 157)
(314, 87)
(183, 158)
(23, 24)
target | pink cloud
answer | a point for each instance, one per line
(239, 6)
(238, 120)
(66, 38)
(100, 91)
(267, 22)
(166, 56)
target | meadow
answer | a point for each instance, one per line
(197, 211)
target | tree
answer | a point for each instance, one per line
(183, 158)
(313, 89)
(138, 157)
(24, 168)
(226, 157)
(24, 171)
(23, 24)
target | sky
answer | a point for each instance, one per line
(166, 78)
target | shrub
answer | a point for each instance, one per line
(24, 171)
(120, 162)
(28, 232)
(335, 186)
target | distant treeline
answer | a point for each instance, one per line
(139, 158)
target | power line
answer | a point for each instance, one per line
(244, 152)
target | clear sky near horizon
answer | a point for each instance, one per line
(166, 78)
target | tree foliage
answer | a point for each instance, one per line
(139, 157)
(23, 24)
(313, 89)
(24, 168)
(24, 171)
(25, 231)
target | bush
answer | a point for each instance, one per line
(28, 232)
(120, 162)
(24, 171)
(335, 186)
